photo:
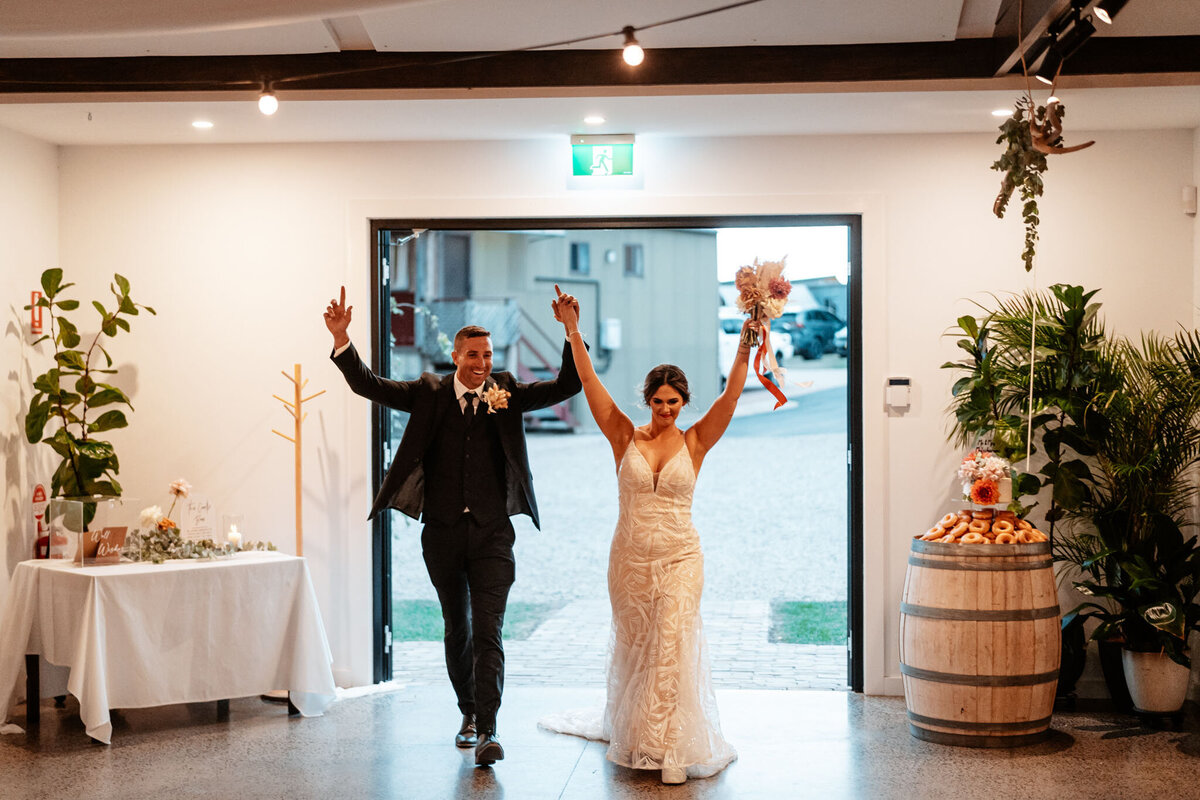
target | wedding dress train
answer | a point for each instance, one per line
(661, 710)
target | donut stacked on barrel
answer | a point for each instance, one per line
(982, 527)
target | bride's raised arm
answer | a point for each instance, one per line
(709, 428)
(613, 423)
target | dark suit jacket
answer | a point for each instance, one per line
(425, 399)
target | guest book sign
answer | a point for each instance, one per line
(100, 547)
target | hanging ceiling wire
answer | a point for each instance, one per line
(263, 85)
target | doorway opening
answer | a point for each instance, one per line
(777, 503)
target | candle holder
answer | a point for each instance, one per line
(233, 530)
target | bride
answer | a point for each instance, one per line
(661, 712)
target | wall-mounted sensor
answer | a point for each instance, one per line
(897, 393)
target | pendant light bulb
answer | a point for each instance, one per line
(268, 103)
(633, 52)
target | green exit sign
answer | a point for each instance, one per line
(604, 154)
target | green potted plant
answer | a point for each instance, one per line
(1128, 544)
(992, 400)
(63, 412)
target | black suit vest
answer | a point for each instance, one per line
(464, 467)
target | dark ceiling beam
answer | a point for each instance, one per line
(1021, 30)
(1135, 55)
(359, 70)
(969, 59)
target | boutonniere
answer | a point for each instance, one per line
(496, 398)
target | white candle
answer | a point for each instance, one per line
(235, 538)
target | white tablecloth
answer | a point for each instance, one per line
(137, 635)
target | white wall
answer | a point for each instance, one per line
(28, 245)
(241, 247)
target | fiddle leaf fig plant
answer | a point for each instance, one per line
(63, 412)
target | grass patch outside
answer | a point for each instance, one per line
(797, 622)
(421, 620)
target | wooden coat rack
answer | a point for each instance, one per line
(294, 408)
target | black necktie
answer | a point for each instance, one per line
(469, 409)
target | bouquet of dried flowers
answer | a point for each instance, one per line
(763, 294)
(762, 290)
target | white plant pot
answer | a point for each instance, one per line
(1156, 683)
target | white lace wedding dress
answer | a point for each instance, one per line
(661, 711)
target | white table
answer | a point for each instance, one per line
(185, 631)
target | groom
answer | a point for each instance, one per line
(462, 468)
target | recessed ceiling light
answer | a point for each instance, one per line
(202, 124)
(1002, 112)
(594, 119)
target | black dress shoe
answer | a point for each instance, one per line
(488, 751)
(466, 736)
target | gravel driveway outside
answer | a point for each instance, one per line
(770, 506)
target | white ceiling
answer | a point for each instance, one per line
(538, 118)
(73, 28)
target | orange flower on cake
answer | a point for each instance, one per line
(985, 492)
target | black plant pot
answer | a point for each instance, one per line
(1114, 676)
(1074, 657)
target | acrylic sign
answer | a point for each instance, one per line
(101, 547)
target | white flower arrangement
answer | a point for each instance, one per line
(984, 465)
(150, 517)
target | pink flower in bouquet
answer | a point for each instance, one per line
(178, 489)
(749, 299)
(779, 288)
(744, 278)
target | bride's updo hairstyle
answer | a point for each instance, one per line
(665, 375)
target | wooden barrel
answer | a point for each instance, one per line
(979, 643)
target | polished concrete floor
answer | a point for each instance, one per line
(397, 744)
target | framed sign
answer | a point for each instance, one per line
(197, 519)
(100, 547)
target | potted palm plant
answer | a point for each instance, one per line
(993, 398)
(1128, 543)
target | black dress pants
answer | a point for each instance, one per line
(472, 568)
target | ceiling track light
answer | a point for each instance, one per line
(1074, 38)
(268, 103)
(633, 52)
(1064, 36)
(1107, 9)
(1051, 64)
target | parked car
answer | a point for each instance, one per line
(729, 334)
(840, 345)
(812, 331)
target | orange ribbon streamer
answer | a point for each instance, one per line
(763, 348)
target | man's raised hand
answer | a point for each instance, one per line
(337, 319)
(566, 310)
